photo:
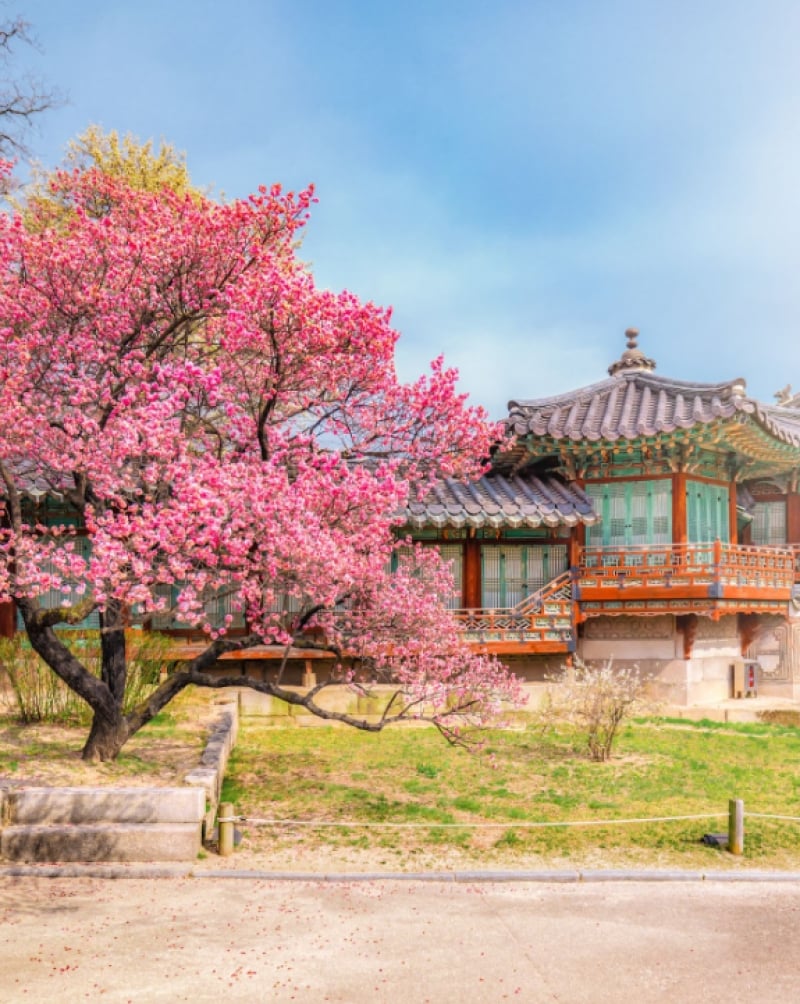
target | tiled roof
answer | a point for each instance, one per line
(628, 405)
(633, 403)
(783, 422)
(524, 500)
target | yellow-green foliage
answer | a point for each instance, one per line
(138, 163)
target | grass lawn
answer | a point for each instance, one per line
(411, 775)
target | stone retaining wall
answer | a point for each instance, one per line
(39, 824)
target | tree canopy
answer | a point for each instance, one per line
(236, 445)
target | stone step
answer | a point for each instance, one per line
(36, 806)
(101, 842)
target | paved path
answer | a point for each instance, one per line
(213, 939)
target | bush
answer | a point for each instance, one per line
(595, 701)
(40, 696)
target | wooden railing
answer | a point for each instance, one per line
(715, 566)
(542, 621)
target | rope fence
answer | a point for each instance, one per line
(516, 824)
(735, 815)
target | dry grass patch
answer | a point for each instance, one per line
(160, 754)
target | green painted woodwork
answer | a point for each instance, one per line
(454, 555)
(510, 572)
(707, 512)
(631, 513)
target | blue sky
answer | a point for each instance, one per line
(521, 181)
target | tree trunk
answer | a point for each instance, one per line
(114, 669)
(110, 730)
(106, 738)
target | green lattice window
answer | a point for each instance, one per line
(510, 572)
(769, 523)
(707, 512)
(631, 513)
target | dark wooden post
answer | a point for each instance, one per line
(679, 521)
(8, 620)
(793, 518)
(472, 573)
(733, 528)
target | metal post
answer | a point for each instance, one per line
(736, 826)
(225, 820)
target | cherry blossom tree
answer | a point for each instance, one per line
(236, 446)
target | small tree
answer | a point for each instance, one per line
(595, 700)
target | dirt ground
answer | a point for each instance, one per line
(212, 939)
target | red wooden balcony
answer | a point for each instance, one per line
(542, 622)
(683, 578)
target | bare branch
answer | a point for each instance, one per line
(21, 101)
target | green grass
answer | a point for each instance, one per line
(661, 768)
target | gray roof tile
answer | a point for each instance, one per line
(521, 500)
(637, 403)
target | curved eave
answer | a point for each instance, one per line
(629, 406)
(782, 424)
(757, 441)
(496, 502)
(488, 521)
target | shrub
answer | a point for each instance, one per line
(40, 696)
(595, 700)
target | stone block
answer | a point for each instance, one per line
(104, 805)
(101, 842)
(251, 702)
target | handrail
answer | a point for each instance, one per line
(536, 601)
(718, 563)
(544, 616)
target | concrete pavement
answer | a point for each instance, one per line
(405, 942)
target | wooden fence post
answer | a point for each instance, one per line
(225, 828)
(736, 826)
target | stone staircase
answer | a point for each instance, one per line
(101, 824)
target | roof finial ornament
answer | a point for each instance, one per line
(786, 398)
(632, 358)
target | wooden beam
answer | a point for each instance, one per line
(697, 591)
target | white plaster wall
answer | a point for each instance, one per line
(713, 648)
(636, 649)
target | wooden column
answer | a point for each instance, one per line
(747, 625)
(687, 625)
(733, 527)
(679, 520)
(8, 620)
(472, 572)
(577, 536)
(793, 518)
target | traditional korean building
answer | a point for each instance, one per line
(644, 519)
